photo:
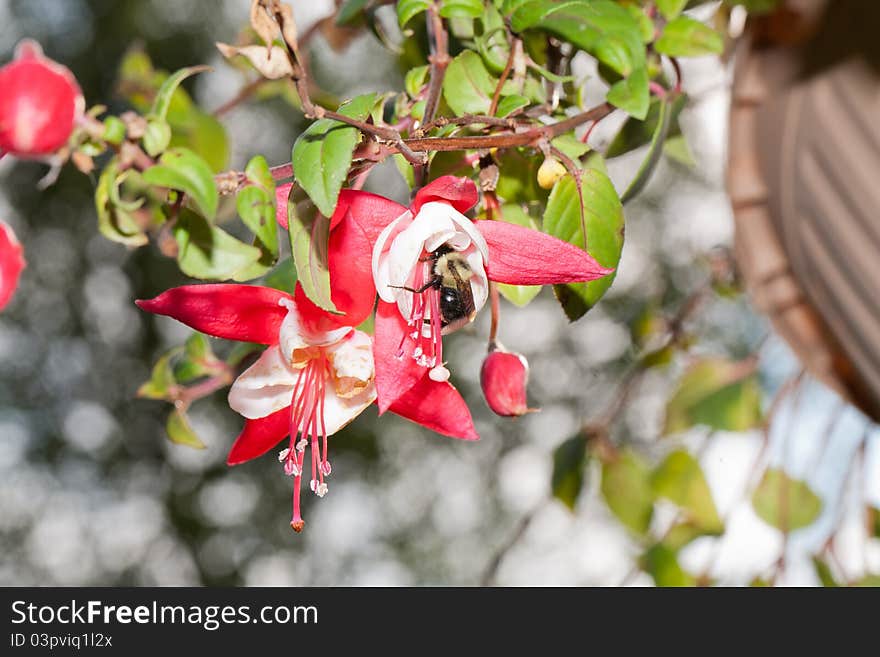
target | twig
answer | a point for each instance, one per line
(515, 47)
(495, 563)
(439, 59)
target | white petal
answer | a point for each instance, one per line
(338, 411)
(465, 224)
(380, 259)
(479, 280)
(265, 387)
(293, 335)
(353, 357)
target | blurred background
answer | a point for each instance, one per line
(92, 492)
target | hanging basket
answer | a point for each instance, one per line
(804, 179)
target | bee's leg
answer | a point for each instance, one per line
(434, 282)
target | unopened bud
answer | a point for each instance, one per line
(549, 172)
(40, 102)
(503, 377)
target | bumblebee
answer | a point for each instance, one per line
(450, 274)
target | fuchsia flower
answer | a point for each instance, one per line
(40, 101)
(317, 373)
(503, 378)
(412, 258)
(11, 263)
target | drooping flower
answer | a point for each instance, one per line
(40, 101)
(317, 373)
(432, 267)
(11, 263)
(503, 378)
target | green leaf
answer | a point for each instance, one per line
(569, 464)
(677, 149)
(461, 8)
(823, 572)
(114, 130)
(874, 515)
(652, 157)
(408, 9)
(180, 432)
(492, 40)
(405, 169)
(201, 133)
(114, 222)
(183, 170)
(785, 503)
(467, 86)
(198, 360)
(571, 146)
(309, 232)
(631, 94)
(670, 8)
(869, 580)
(157, 136)
(283, 276)
(322, 154)
(634, 134)
(661, 563)
(350, 11)
(415, 80)
(717, 393)
(518, 178)
(509, 104)
(686, 37)
(519, 295)
(601, 27)
(162, 102)
(680, 480)
(603, 219)
(626, 488)
(162, 379)
(256, 203)
(207, 252)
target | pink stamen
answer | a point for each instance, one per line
(306, 416)
(425, 318)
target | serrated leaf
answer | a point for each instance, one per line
(632, 94)
(603, 219)
(635, 134)
(114, 222)
(467, 86)
(626, 488)
(717, 393)
(180, 432)
(207, 252)
(322, 154)
(670, 8)
(661, 563)
(409, 9)
(600, 27)
(509, 104)
(162, 379)
(183, 170)
(256, 204)
(569, 464)
(283, 276)
(461, 8)
(680, 479)
(162, 102)
(652, 157)
(309, 232)
(686, 37)
(785, 503)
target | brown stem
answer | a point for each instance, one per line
(494, 299)
(439, 59)
(514, 51)
(521, 527)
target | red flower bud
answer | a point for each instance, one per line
(39, 103)
(11, 263)
(503, 377)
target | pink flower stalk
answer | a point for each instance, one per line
(40, 102)
(11, 263)
(503, 378)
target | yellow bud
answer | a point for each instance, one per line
(550, 171)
